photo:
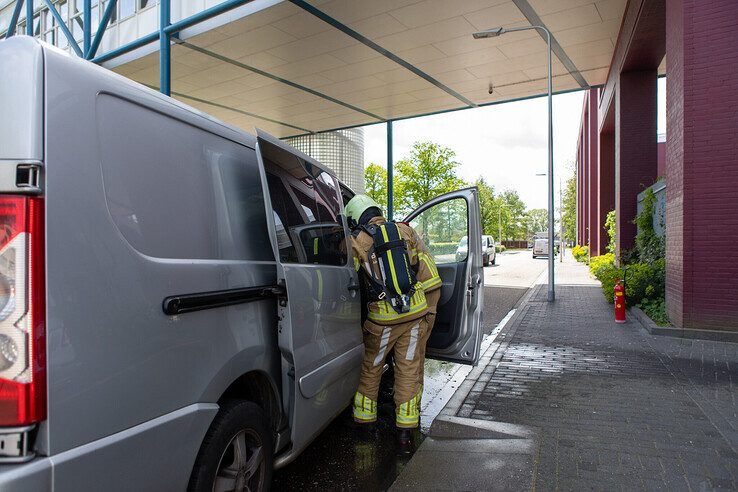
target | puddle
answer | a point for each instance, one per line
(442, 379)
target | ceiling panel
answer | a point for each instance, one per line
(433, 35)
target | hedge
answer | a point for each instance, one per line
(443, 248)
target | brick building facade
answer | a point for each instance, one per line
(618, 154)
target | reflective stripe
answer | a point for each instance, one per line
(385, 312)
(357, 264)
(428, 260)
(391, 314)
(431, 282)
(382, 346)
(315, 246)
(408, 414)
(413, 342)
(364, 408)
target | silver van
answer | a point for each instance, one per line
(177, 306)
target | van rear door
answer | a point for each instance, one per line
(442, 223)
(319, 335)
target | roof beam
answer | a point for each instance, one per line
(535, 20)
(277, 78)
(371, 44)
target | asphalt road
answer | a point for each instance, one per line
(344, 457)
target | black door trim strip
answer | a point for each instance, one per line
(187, 303)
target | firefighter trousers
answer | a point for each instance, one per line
(432, 298)
(405, 338)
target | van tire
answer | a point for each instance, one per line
(237, 422)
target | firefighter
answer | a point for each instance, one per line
(400, 275)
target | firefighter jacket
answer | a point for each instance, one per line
(380, 311)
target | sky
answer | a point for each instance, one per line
(505, 143)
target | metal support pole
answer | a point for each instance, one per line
(165, 49)
(497, 31)
(390, 173)
(551, 235)
(90, 54)
(86, 26)
(29, 17)
(14, 18)
(63, 26)
(562, 245)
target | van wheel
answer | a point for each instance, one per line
(494, 260)
(236, 453)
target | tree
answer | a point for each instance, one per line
(375, 178)
(429, 171)
(538, 219)
(569, 204)
(513, 216)
(488, 207)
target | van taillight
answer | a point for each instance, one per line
(22, 311)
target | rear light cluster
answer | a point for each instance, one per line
(22, 311)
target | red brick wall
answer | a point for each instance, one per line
(702, 163)
(592, 165)
(606, 195)
(635, 148)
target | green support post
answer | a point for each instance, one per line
(165, 49)
(390, 173)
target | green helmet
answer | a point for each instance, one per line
(358, 205)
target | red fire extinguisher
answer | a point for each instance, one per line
(619, 302)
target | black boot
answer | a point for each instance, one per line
(405, 439)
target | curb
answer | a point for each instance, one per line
(692, 334)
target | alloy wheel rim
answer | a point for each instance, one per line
(241, 466)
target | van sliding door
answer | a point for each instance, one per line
(319, 335)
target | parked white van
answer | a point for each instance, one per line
(177, 308)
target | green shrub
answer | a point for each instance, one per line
(597, 263)
(611, 226)
(656, 310)
(500, 248)
(608, 275)
(443, 248)
(604, 269)
(637, 282)
(649, 245)
(580, 253)
(644, 281)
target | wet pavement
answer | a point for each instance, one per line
(584, 403)
(346, 457)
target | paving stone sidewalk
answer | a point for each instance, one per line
(614, 407)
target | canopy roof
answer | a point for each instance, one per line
(295, 67)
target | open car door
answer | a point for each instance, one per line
(450, 227)
(319, 333)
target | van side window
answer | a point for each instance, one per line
(193, 195)
(285, 213)
(308, 213)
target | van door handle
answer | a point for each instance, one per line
(353, 286)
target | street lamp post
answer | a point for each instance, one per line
(562, 246)
(497, 31)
